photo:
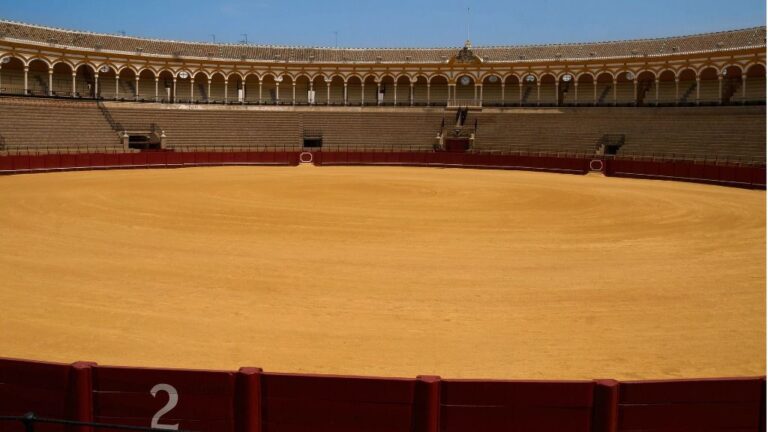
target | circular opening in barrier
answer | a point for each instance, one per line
(305, 157)
(596, 165)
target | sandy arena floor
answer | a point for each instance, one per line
(384, 271)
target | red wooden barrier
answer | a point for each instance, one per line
(195, 400)
(517, 406)
(334, 403)
(691, 405)
(253, 401)
(47, 389)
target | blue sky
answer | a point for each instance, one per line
(393, 23)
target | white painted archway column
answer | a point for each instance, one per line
(26, 80)
(719, 89)
(575, 92)
(96, 85)
(429, 95)
(410, 97)
(117, 86)
(50, 81)
(293, 96)
(395, 93)
(743, 86)
(277, 91)
(74, 83)
(480, 86)
(362, 92)
(698, 90)
(208, 93)
(312, 91)
(345, 94)
(677, 91)
(226, 90)
(634, 83)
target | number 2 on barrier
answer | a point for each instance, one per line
(173, 399)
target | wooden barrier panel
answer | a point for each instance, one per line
(691, 405)
(517, 406)
(192, 400)
(47, 389)
(336, 403)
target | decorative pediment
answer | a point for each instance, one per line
(465, 56)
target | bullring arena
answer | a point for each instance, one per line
(530, 243)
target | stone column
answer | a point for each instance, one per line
(260, 90)
(538, 93)
(74, 83)
(677, 91)
(743, 87)
(429, 95)
(362, 93)
(191, 90)
(378, 92)
(720, 89)
(277, 92)
(594, 90)
(293, 97)
(520, 90)
(503, 101)
(557, 93)
(614, 92)
(50, 81)
(345, 94)
(226, 89)
(575, 92)
(96, 85)
(657, 91)
(26, 80)
(481, 94)
(157, 88)
(698, 90)
(328, 90)
(395, 95)
(117, 86)
(173, 96)
(634, 82)
(242, 87)
(411, 95)
(208, 95)
(312, 89)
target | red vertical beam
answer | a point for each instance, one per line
(248, 404)
(605, 408)
(427, 404)
(81, 395)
